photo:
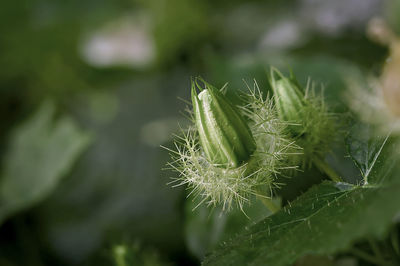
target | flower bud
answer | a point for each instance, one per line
(224, 134)
(306, 116)
(289, 99)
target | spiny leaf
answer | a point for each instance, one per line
(326, 219)
(364, 149)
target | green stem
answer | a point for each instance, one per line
(367, 257)
(270, 204)
(375, 249)
(324, 167)
(119, 255)
(267, 200)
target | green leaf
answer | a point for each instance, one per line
(364, 149)
(40, 153)
(326, 219)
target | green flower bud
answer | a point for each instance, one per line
(224, 134)
(306, 115)
(289, 99)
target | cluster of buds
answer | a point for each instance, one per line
(232, 153)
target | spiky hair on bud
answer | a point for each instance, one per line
(212, 184)
(311, 124)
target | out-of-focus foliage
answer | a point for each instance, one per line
(392, 10)
(115, 69)
(180, 28)
(40, 154)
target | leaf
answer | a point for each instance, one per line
(326, 219)
(364, 149)
(40, 153)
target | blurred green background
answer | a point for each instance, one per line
(89, 90)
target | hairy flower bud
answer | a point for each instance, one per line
(306, 115)
(289, 99)
(224, 135)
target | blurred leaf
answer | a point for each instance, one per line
(329, 217)
(329, 74)
(392, 14)
(180, 28)
(40, 153)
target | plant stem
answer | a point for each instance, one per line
(270, 204)
(367, 257)
(375, 249)
(119, 255)
(266, 199)
(324, 167)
